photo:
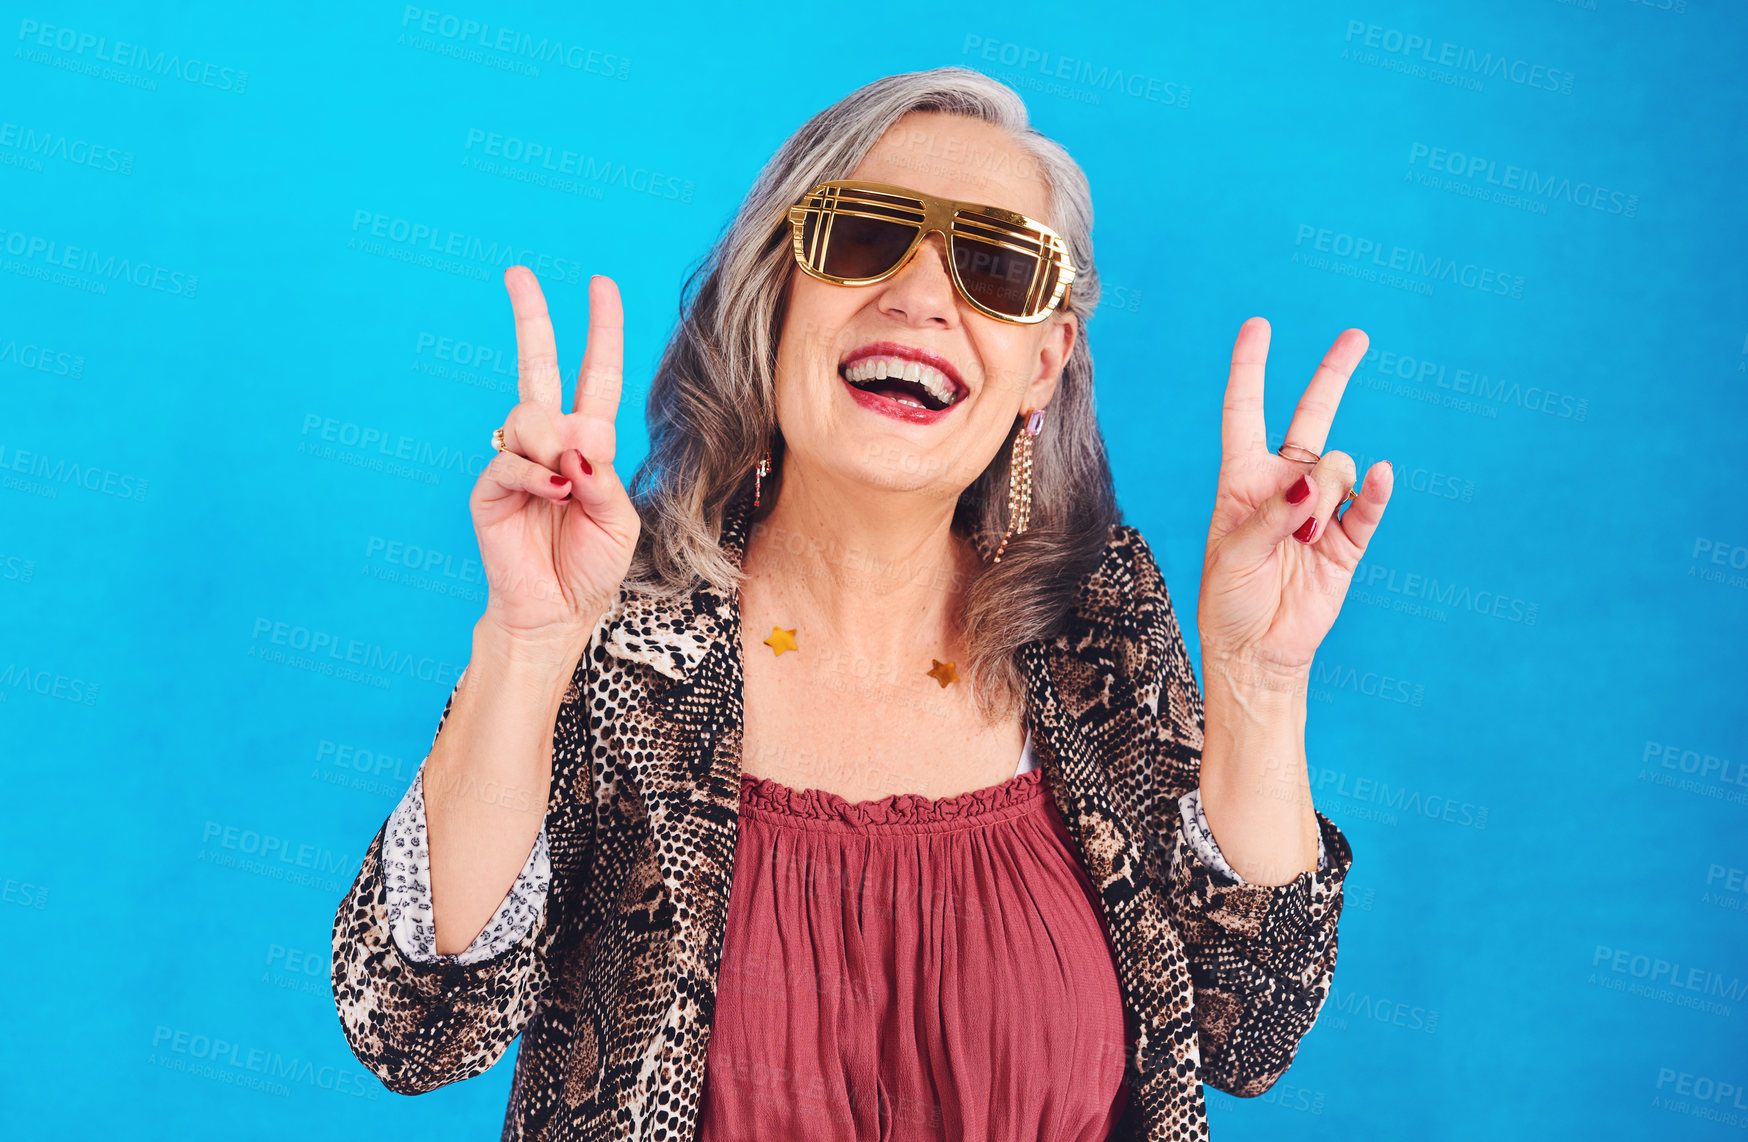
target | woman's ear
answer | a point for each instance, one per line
(1058, 344)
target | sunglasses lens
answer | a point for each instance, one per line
(995, 276)
(858, 247)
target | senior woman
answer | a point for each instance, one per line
(847, 777)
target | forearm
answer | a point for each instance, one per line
(1255, 784)
(487, 779)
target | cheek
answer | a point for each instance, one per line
(1009, 370)
(1009, 356)
(815, 320)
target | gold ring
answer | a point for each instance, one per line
(1311, 457)
(498, 439)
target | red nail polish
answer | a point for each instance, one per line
(1300, 489)
(1306, 530)
(559, 481)
(588, 469)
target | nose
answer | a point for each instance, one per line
(921, 293)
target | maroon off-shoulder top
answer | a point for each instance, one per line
(909, 968)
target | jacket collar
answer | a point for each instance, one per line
(672, 635)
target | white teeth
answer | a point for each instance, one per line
(903, 368)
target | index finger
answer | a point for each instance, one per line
(1316, 410)
(1241, 419)
(600, 379)
(537, 375)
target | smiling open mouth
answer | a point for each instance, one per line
(904, 381)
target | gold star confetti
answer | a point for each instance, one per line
(943, 673)
(781, 640)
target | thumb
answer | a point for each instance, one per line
(1274, 520)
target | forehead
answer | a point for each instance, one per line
(955, 156)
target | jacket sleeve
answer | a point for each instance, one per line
(406, 856)
(1261, 957)
(1202, 843)
(419, 1023)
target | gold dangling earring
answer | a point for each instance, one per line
(759, 474)
(1020, 480)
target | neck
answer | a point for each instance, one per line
(875, 573)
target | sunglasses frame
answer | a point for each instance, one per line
(944, 216)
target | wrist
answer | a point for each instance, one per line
(1257, 680)
(537, 658)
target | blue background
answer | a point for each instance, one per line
(1512, 719)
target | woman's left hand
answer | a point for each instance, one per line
(1271, 588)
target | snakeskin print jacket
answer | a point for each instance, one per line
(612, 989)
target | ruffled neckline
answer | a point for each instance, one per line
(766, 796)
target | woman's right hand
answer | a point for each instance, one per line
(556, 528)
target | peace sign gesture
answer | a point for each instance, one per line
(1279, 559)
(556, 528)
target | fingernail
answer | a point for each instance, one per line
(1300, 489)
(1390, 466)
(583, 461)
(559, 481)
(1306, 530)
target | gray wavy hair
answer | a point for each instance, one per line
(712, 403)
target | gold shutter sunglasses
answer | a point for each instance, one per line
(1006, 265)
